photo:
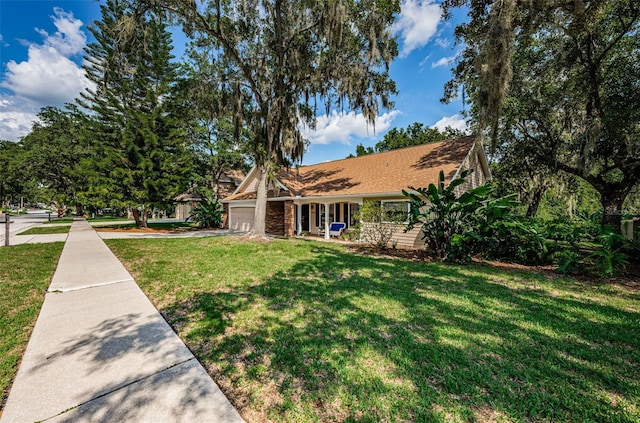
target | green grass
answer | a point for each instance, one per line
(25, 274)
(301, 331)
(46, 230)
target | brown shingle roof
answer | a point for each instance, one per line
(388, 172)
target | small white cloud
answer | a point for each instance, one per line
(424, 61)
(417, 24)
(341, 127)
(455, 121)
(442, 42)
(69, 40)
(444, 61)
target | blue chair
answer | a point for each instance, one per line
(336, 228)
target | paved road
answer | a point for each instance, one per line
(22, 223)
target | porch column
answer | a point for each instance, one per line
(326, 221)
(360, 203)
(299, 216)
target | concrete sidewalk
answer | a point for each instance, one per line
(100, 351)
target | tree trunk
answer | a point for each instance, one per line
(259, 224)
(612, 208)
(145, 216)
(140, 218)
(536, 198)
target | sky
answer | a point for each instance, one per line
(41, 54)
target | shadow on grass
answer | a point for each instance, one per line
(353, 338)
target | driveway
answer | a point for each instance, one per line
(22, 222)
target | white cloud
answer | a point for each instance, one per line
(455, 121)
(417, 24)
(16, 118)
(443, 42)
(341, 127)
(47, 78)
(69, 40)
(444, 61)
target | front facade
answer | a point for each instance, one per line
(309, 198)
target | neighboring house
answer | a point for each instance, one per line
(227, 183)
(309, 198)
(186, 202)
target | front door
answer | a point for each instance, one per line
(305, 218)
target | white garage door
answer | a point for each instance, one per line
(241, 218)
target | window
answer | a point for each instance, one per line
(395, 211)
(353, 212)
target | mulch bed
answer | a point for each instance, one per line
(134, 229)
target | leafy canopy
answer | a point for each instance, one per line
(557, 82)
(281, 59)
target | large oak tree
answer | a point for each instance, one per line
(556, 82)
(283, 59)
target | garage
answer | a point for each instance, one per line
(241, 218)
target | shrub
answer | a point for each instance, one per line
(609, 257)
(511, 237)
(446, 219)
(377, 225)
(568, 261)
(454, 227)
(208, 214)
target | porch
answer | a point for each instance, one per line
(314, 218)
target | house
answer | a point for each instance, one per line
(227, 183)
(309, 198)
(185, 203)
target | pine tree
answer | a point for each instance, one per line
(144, 158)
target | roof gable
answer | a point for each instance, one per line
(388, 172)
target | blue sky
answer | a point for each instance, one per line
(41, 44)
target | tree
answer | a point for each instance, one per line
(280, 59)
(11, 163)
(211, 131)
(414, 134)
(558, 82)
(52, 153)
(144, 160)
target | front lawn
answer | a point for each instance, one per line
(25, 274)
(46, 230)
(298, 330)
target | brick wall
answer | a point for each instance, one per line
(274, 222)
(289, 218)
